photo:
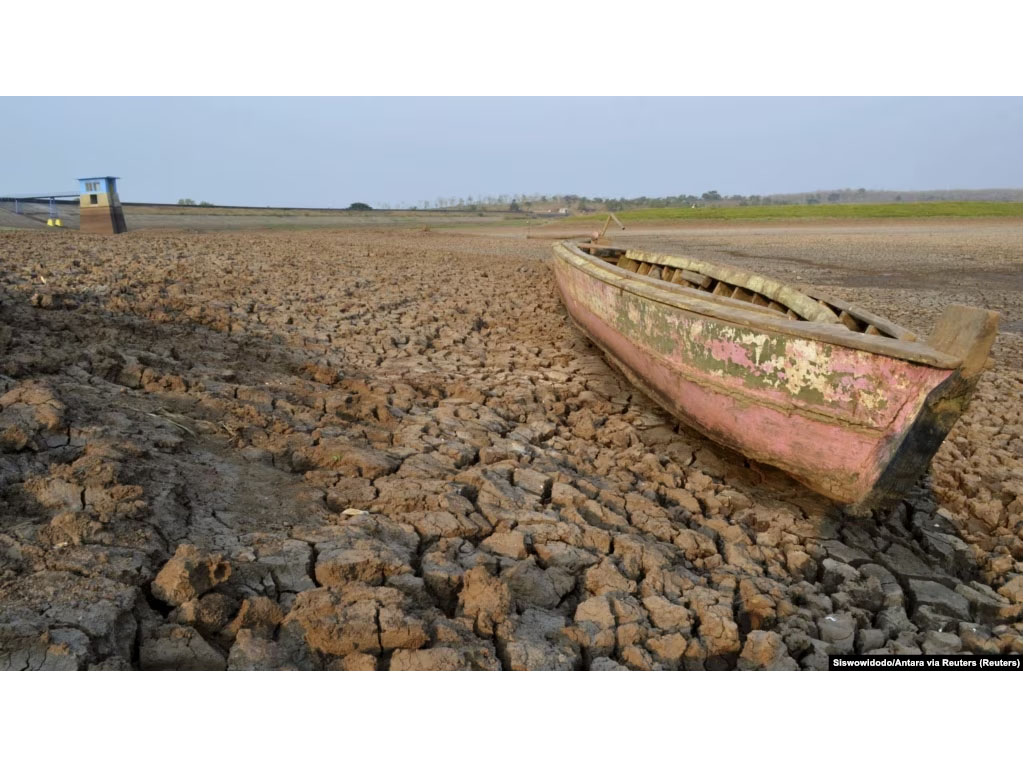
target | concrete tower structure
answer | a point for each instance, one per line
(100, 206)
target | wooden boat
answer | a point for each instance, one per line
(847, 402)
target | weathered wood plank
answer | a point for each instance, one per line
(786, 295)
(882, 325)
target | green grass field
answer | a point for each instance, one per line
(841, 211)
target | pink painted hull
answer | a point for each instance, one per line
(831, 416)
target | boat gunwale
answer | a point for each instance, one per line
(807, 307)
(691, 300)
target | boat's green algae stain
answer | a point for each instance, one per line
(647, 323)
(660, 330)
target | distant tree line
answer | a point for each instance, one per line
(538, 203)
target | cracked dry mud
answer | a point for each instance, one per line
(386, 450)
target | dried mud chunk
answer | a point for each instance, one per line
(977, 638)
(757, 611)
(116, 501)
(845, 554)
(627, 609)
(429, 659)
(319, 373)
(597, 611)
(442, 574)
(510, 544)
(459, 452)
(286, 561)
(339, 621)
(427, 465)
(682, 498)
(254, 652)
(891, 592)
(839, 631)
(485, 599)
(602, 516)
(565, 495)
(835, 574)
(941, 642)
(503, 449)
(532, 481)
(31, 417)
(189, 574)
(101, 608)
(55, 493)
(568, 558)
(208, 614)
(817, 658)
(638, 555)
(894, 620)
(350, 492)
(334, 622)
(668, 650)
(367, 549)
(718, 632)
(939, 597)
(953, 554)
(537, 641)
(767, 651)
(398, 629)
(174, 647)
(903, 562)
(454, 516)
(604, 664)
(458, 633)
(742, 557)
(800, 565)
(637, 658)
(258, 615)
(988, 605)
(869, 640)
(356, 662)
(52, 300)
(605, 577)
(1011, 590)
(666, 615)
(345, 458)
(24, 647)
(533, 586)
(73, 527)
(500, 500)
(928, 619)
(988, 512)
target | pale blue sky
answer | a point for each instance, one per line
(332, 151)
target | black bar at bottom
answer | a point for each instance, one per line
(926, 662)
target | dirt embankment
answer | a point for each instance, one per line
(370, 450)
